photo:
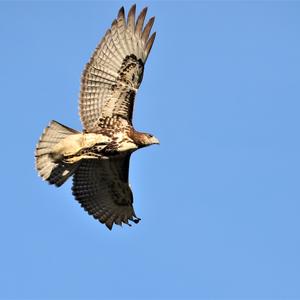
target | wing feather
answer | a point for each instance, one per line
(147, 29)
(102, 189)
(149, 44)
(140, 22)
(116, 39)
(131, 18)
(115, 71)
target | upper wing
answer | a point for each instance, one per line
(115, 71)
(101, 187)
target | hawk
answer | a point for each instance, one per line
(98, 157)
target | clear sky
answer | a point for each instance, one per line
(219, 198)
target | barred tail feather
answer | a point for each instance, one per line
(49, 169)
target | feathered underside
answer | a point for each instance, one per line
(101, 187)
(115, 71)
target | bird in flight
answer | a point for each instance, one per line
(98, 157)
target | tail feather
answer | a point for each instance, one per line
(54, 171)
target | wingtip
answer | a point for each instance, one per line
(132, 11)
(147, 29)
(144, 10)
(109, 226)
(140, 21)
(149, 44)
(131, 17)
(151, 20)
(121, 12)
(137, 220)
(132, 8)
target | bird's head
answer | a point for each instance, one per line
(150, 139)
(145, 139)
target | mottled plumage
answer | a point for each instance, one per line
(98, 158)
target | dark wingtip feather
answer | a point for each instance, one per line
(147, 29)
(132, 10)
(140, 21)
(150, 44)
(137, 220)
(109, 225)
(131, 17)
(121, 13)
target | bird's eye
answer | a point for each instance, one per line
(150, 135)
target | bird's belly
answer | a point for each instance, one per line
(79, 146)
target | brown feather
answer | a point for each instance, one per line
(150, 44)
(147, 29)
(121, 13)
(131, 18)
(140, 22)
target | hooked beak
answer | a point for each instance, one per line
(154, 140)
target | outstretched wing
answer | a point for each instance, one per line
(101, 187)
(115, 71)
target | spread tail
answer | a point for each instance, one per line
(54, 171)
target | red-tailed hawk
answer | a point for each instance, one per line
(98, 158)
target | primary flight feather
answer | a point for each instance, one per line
(98, 158)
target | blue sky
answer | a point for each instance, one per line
(219, 198)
